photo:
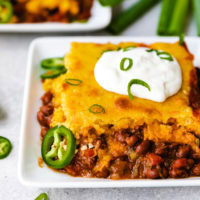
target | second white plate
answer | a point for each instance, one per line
(99, 19)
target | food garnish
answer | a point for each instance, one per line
(138, 82)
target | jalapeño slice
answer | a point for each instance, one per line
(5, 147)
(58, 147)
(53, 73)
(53, 63)
(6, 11)
(42, 196)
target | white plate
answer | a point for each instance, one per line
(95, 22)
(30, 173)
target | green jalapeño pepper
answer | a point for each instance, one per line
(5, 147)
(53, 63)
(42, 196)
(6, 11)
(58, 147)
(53, 73)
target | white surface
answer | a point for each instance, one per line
(30, 174)
(164, 77)
(13, 57)
(95, 22)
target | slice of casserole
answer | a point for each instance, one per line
(136, 138)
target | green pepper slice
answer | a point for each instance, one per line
(53, 73)
(5, 147)
(42, 196)
(53, 63)
(6, 11)
(58, 147)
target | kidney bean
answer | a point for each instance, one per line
(183, 151)
(43, 131)
(46, 98)
(143, 147)
(104, 173)
(154, 159)
(42, 119)
(178, 173)
(190, 163)
(182, 163)
(165, 173)
(48, 118)
(196, 156)
(179, 163)
(161, 149)
(196, 170)
(46, 109)
(152, 173)
(121, 137)
(117, 168)
(132, 140)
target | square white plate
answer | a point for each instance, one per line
(95, 22)
(29, 172)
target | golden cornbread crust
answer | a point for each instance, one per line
(130, 135)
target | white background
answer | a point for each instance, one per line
(13, 52)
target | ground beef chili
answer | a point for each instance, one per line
(141, 158)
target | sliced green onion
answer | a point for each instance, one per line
(42, 196)
(119, 48)
(162, 54)
(196, 5)
(165, 16)
(109, 2)
(107, 50)
(72, 81)
(138, 82)
(151, 50)
(122, 64)
(181, 39)
(129, 48)
(178, 17)
(127, 17)
(96, 109)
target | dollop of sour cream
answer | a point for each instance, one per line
(162, 75)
